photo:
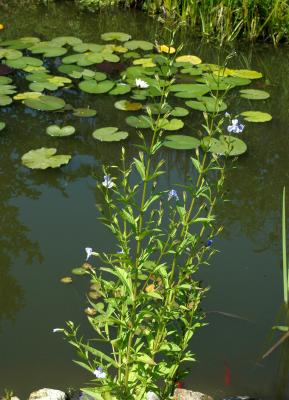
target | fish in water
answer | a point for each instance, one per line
(227, 374)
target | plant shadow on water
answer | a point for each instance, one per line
(30, 199)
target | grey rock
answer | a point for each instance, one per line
(47, 394)
(183, 394)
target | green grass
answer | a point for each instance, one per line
(222, 20)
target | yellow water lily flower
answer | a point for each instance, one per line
(166, 49)
(1, 26)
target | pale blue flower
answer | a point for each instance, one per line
(99, 373)
(173, 194)
(107, 182)
(235, 127)
(89, 252)
(57, 330)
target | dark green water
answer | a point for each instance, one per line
(48, 218)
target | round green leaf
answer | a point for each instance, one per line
(63, 40)
(2, 125)
(91, 86)
(120, 36)
(171, 125)
(254, 94)
(138, 44)
(195, 89)
(5, 100)
(141, 122)
(179, 112)
(208, 104)
(226, 145)
(45, 103)
(246, 73)
(125, 105)
(120, 89)
(181, 142)
(55, 130)
(109, 134)
(5, 80)
(256, 116)
(79, 271)
(84, 112)
(44, 158)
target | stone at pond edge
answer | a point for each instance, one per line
(183, 394)
(47, 394)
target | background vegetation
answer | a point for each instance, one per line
(224, 20)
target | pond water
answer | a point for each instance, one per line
(49, 217)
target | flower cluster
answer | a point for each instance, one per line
(99, 373)
(173, 195)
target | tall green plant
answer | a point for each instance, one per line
(145, 303)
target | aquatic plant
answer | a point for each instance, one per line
(144, 299)
(284, 250)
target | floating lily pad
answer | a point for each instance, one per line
(5, 100)
(208, 104)
(5, 80)
(179, 112)
(45, 103)
(83, 47)
(139, 44)
(225, 145)
(10, 54)
(120, 89)
(141, 122)
(7, 89)
(57, 131)
(44, 158)
(191, 71)
(256, 116)
(22, 62)
(109, 134)
(171, 125)
(41, 86)
(66, 279)
(63, 40)
(84, 112)
(254, 94)
(2, 125)
(189, 59)
(79, 271)
(246, 73)
(91, 86)
(27, 95)
(125, 105)
(48, 50)
(120, 36)
(20, 44)
(181, 142)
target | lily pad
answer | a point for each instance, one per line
(5, 100)
(48, 50)
(189, 59)
(2, 125)
(225, 145)
(5, 70)
(10, 54)
(207, 104)
(109, 134)
(171, 125)
(125, 105)
(254, 94)
(79, 271)
(256, 116)
(5, 80)
(44, 158)
(84, 112)
(246, 73)
(66, 279)
(179, 112)
(57, 131)
(120, 36)
(91, 86)
(27, 95)
(139, 44)
(120, 89)
(63, 40)
(22, 62)
(181, 142)
(141, 122)
(45, 103)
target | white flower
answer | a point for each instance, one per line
(152, 396)
(141, 84)
(99, 373)
(89, 252)
(57, 330)
(107, 182)
(235, 127)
